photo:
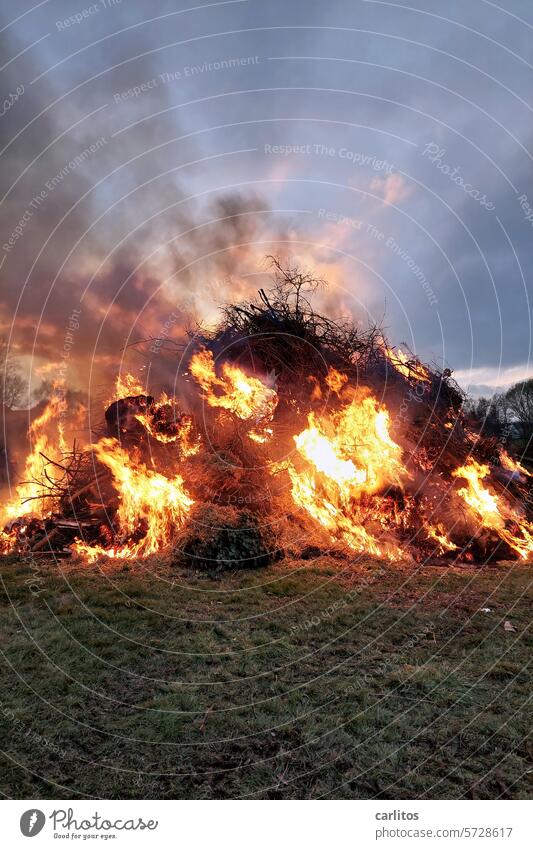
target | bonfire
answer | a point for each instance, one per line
(287, 432)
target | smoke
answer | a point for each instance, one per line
(98, 224)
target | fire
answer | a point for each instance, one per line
(162, 419)
(410, 368)
(8, 540)
(151, 505)
(180, 430)
(493, 512)
(346, 474)
(479, 498)
(165, 423)
(245, 396)
(349, 455)
(125, 385)
(512, 465)
(439, 535)
(29, 497)
(336, 381)
(322, 453)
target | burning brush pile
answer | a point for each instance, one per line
(288, 433)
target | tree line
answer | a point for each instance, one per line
(505, 413)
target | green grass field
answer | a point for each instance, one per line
(304, 680)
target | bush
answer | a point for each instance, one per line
(218, 539)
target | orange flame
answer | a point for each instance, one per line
(336, 381)
(29, 495)
(151, 505)
(349, 454)
(493, 512)
(126, 385)
(181, 432)
(439, 535)
(245, 396)
(512, 465)
(409, 367)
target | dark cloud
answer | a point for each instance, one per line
(194, 181)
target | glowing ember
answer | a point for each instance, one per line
(493, 512)
(439, 535)
(151, 506)
(245, 396)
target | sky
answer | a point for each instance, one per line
(153, 156)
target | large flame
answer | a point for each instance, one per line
(347, 472)
(29, 497)
(348, 455)
(246, 396)
(151, 505)
(495, 513)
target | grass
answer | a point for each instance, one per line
(305, 680)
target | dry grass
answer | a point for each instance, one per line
(306, 679)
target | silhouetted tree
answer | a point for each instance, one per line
(519, 402)
(488, 415)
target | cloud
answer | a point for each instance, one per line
(392, 188)
(487, 381)
(176, 210)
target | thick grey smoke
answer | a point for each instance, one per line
(104, 242)
(152, 156)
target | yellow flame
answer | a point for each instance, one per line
(336, 381)
(410, 368)
(512, 465)
(183, 430)
(245, 396)
(126, 385)
(349, 454)
(437, 533)
(151, 505)
(493, 512)
(29, 494)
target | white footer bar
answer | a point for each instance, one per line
(266, 824)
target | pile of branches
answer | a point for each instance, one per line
(74, 494)
(280, 332)
(282, 335)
